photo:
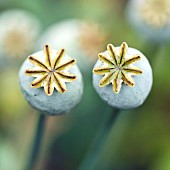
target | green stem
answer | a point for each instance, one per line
(94, 151)
(37, 142)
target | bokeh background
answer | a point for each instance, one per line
(140, 138)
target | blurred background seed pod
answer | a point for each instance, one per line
(19, 30)
(81, 39)
(151, 18)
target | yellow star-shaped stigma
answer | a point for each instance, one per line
(117, 67)
(51, 72)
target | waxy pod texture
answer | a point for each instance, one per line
(58, 103)
(128, 97)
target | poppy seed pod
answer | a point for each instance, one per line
(43, 78)
(151, 18)
(81, 39)
(19, 30)
(130, 74)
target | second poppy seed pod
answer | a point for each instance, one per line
(127, 77)
(43, 78)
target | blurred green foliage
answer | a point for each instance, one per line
(140, 139)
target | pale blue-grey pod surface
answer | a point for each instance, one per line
(128, 97)
(147, 31)
(57, 103)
